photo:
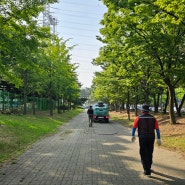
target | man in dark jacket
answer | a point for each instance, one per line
(146, 125)
(90, 112)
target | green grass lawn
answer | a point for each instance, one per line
(174, 142)
(19, 132)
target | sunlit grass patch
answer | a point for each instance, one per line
(19, 132)
(174, 142)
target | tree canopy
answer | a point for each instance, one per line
(31, 57)
(143, 50)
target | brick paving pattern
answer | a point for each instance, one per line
(101, 155)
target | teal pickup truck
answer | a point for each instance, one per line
(101, 112)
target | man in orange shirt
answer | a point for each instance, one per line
(146, 124)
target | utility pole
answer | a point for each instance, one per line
(48, 19)
(53, 22)
(46, 14)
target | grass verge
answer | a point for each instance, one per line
(19, 132)
(174, 143)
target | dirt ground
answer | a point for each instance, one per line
(165, 127)
(168, 129)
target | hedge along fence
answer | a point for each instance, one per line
(12, 101)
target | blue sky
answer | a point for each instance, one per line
(78, 20)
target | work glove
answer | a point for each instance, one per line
(158, 142)
(133, 138)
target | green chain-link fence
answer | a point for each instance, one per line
(15, 101)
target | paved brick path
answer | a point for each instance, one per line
(102, 155)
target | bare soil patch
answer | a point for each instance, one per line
(168, 129)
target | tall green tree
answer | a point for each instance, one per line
(19, 34)
(30, 57)
(155, 35)
(58, 77)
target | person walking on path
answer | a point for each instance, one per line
(90, 112)
(146, 124)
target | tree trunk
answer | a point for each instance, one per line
(179, 107)
(155, 102)
(135, 106)
(146, 98)
(33, 105)
(68, 105)
(171, 104)
(128, 104)
(25, 91)
(51, 105)
(123, 105)
(63, 105)
(157, 105)
(166, 102)
(58, 106)
(50, 99)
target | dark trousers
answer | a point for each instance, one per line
(146, 152)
